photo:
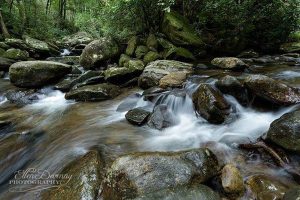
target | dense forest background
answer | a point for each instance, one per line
(260, 24)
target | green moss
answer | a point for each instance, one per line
(151, 56)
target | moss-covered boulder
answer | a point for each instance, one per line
(16, 54)
(285, 131)
(5, 63)
(230, 63)
(156, 70)
(178, 53)
(2, 51)
(272, 90)
(132, 45)
(99, 92)
(76, 39)
(292, 47)
(41, 47)
(35, 74)
(141, 51)
(4, 46)
(152, 42)
(151, 56)
(98, 51)
(85, 180)
(124, 59)
(210, 104)
(16, 43)
(179, 31)
(117, 75)
(139, 174)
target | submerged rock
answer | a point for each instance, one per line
(99, 92)
(272, 90)
(137, 116)
(85, 180)
(229, 63)
(98, 51)
(179, 31)
(139, 174)
(156, 70)
(173, 80)
(210, 104)
(35, 74)
(162, 118)
(21, 96)
(285, 131)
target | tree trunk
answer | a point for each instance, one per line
(3, 27)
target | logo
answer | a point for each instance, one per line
(33, 179)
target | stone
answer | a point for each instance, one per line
(292, 194)
(69, 60)
(141, 51)
(137, 116)
(99, 92)
(132, 45)
(292, 47)
(41, 47)
(272, 90)
(5, 63)
(16, 54)
(232, 180)
(162, 118)
(76, 39)
(21, 97)
(173, 80)
(248, 54)
(152, 43)
(124, 59)
(139, 174)
(151, 56)
(98, 51)
(229, 63)
(156, 70)
(210, 104)
(35, 74)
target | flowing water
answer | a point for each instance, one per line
(68, 129)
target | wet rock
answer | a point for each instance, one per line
(85, 180)
(76, 39)
(156, 70)
(132, 45)
(69, 60)
(210, 104)
(179, 31)
(123, 60)
(139, 174)
(35, 74)
(199, 192)
(232, 181)
(98, 51)
(99, 92)
(152, 93)
(293, 47)
(129, 103)
(272, 90)
(64, 85)
(230, 63)
(85, 76)
(120, 75)
(76, 70)
(91, 81)
(264, 187)
(4, 124)
(5, 63)
(152, 43)
(173, 80)
(151, 56)
(248, 54)
(141, 51)
(232, 86)
(137, 116)
(162, 118)
(292, 194)
(285, 131)
(21, 96)
(16, 54)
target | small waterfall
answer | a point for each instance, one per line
(65, 52)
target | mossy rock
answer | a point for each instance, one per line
(179, 31)
(123, 60)
(16, 54)
(2, 51)
(141, 51)
(151, 56)
(293, 47)
(294, 37)
(132, 45)
(152, 42)
(179, 53)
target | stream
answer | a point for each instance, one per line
(65, 130)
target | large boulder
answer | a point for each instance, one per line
(230, 63)
(5, 63)
(41, 47)
(16, 54)
(272, 90)
(285, 131)
(141, 51)
(137, 116)
(139, 174)
(76, 39)
(210, 104)
(98, 51)
(99, 92)
(120, 75)
(151, 56)
(179, 31)
(34, 74)
(84, 182)
(162, 118)
(173, 80)
(156, 70)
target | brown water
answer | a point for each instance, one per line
(64, 130)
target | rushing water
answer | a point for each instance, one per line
(69, 129)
